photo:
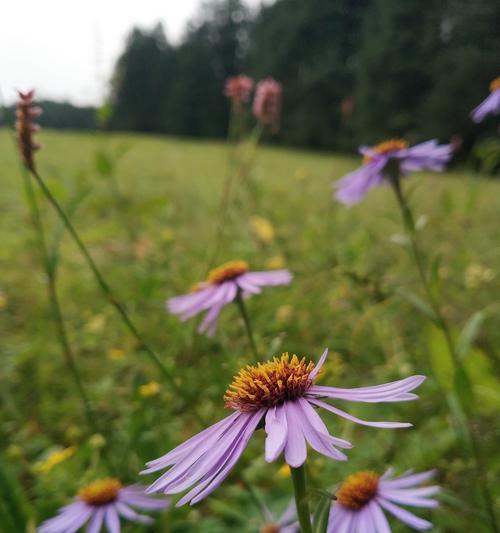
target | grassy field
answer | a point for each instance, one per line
(151, 223)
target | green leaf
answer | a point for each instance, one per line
(440, 359)
(469, 333)
(434, 274)
(320, 518)
(413, 299)
(463, 388)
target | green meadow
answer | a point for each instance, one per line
(150, 210)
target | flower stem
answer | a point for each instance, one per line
(463, 419)
(105, 288)
(248, 327)
(55, 306)
(301, 501)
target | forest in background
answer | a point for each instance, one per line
(351, 71)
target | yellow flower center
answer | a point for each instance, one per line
(269, 384)
(358, 489)
(385, 147)
(227, 271)
(495, 84)
(101, 491)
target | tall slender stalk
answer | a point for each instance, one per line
(463, 420)
(301, 499)
(246, 320)
(105, 288)
(55, 307)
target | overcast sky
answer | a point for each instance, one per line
(66, 49)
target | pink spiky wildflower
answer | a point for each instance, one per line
(428, 155)
(267, 103)
(364, 496)
(100, 505)
(280, 395)
(223, 285)
(238, 89)
(26, 111)
(490, 105)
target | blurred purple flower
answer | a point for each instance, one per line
(425, 156)
(238, 88)
(490, 105)
(280, 395)
(286, 523)
(223, 286)
(267, 103)
(363, 497)
(101, 504)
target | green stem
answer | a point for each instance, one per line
(55, 306)
(103, 285)
(301, 500)
(246, 320)
(464, 421)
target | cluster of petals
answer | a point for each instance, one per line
(286, 523)
(106, 515)
(391, 493)
(212, 296)
(267, 103)
(26, 112)
(203, 462)
(239, 88)
(490, 105)
(429, 155)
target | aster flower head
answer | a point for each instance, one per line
(380, 160)
(223, 285)
(364, 496)
(490, 105)
(26, 111)
(267, 103)
(239, 88)
(286, 523)
(100, 505)
(282, 396)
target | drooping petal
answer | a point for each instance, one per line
(320, 426)
(378, 518)
(340, 520)
(128, 513)
(276, 430)
(396, 391)
(267, 278)
(405, 516)
(343, 414)
(289, 514)
(415, 497)
(490, 105)
(74, 515)
(353, 187)
(364, 523)
(295, 448)
(408, 479)
(97, 520)
(179, 305)
(135, 495)
(111, 519)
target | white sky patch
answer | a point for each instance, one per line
(66, 49)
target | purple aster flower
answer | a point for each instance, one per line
(429, 155)
(490, 105)
(363, 497)
(223, 286)
(286, 523)
(101, 504)
(281, 396)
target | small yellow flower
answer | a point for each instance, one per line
(167, 234)
(476, 275)
(276, 262)
(117, 354)
(283, 313)
(262, 229)
(3, 301)
(97, 441)
(149, 389)
(284, 471)
(53, 459)
(96, 323)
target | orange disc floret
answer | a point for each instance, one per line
(495, 84)
(270, 528)
(358, 489)
(269, 384)
(227, 271)
(385, 147)
(101, 491)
